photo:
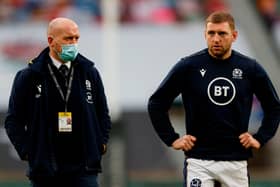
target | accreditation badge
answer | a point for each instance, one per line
(64, 121)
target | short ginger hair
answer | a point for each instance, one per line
(220, 17)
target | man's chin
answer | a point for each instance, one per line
(218, 54)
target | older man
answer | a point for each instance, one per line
(58, 118)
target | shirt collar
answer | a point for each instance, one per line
(58, 64)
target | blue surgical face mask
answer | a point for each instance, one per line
(68, 52)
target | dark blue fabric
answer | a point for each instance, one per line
(216, 124)
(67, 181)
(31, 121)
(185, 172)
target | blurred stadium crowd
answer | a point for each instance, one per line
(131, 11)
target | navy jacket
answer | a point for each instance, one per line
(28, 122)
(217, 96)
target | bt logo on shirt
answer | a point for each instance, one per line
(221, 91)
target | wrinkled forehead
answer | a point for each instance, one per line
(68, 30)
(62, 26)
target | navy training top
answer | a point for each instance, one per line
(217, 97)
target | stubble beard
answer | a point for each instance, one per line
(219, 54)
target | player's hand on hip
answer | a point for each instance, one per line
(248, 141)
(184, 143)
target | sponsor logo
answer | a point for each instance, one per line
(202, 72)
(221, 91)
(89, 97)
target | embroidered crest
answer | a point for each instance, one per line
(89, 97)
(237, 73)
(195, 182)
(88, 85)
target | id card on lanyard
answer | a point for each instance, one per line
(64, 121)
(64, 118)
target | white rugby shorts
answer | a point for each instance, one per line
(204, 173)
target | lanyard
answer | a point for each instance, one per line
(69, 86)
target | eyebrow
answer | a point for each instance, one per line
(219, 32)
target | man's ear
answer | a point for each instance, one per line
(50, 40)
(234, 35)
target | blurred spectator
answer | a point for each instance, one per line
(151, 11)
(6, 10)
(91, 6)
(125, 11)
(42, 10)
(268, 11)
(66, 8)
(210, 6)
(131, 11)
(188, 10)
(159, 11)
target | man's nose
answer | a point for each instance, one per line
(216, 38)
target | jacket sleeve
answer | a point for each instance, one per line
(15, 122)
(159, 104)
(102, 108)
(266, 94)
